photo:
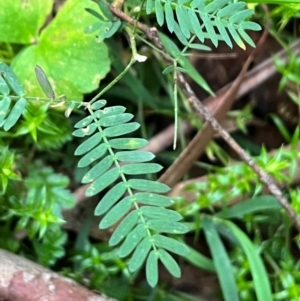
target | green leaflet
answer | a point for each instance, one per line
(165, 226)
(88, 144)
(141, 168)
(93, 155)
(116, 212)
(139, 255)
(84, 122)
(99, 169)
(147, 185)
(171, 245)
(15, 114)
(124, 228)
(4, 107)
(160, 213)
(98, 104)
(115, 119)
(169, 262)
(44, 82)
(103, 182)
(110, 198)
(11, 79)
(122, 129)
(152, 269)
(4, 88)
(89, 130)
(109, 111)
(153, 199)
(128, 143)
(134, 156)
(132, 240)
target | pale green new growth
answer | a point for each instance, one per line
(139, 229)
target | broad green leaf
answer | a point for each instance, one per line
(134, 156)
(15, 114)
(115, 119)
(11, 79)
(259, 203)
(169, 262)
(89, 130)
(141, 168)
(98, 170)
(160, 213)
(103, 182)
(93, 27)
(84, 122)
(260, 277)
(44, 82)
(222, 262)
(20, 21)
(124, 227)
(139, 255)
(132, 240)
(60, 50)
(4, 108)
(116, 212)
(166, 226)
(109, 111)
(99, 104)
(147, 185)
(93, 155)
(169, 16)
(128, 143)
(121, 129)
(153, 199)
(152, 268)
(171, 245)
(110, 198)
(200, 261)
(4, 88)
(88, 144)
(159, 12)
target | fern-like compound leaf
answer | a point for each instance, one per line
(201, 17)
(136, 203)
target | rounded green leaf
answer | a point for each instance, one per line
(139, 255)
(98, 104)
(160, 213)
(153, 199)
(103, 182)
(116, 213)
(93, 155)
(141, 168)
(115, 119)
(15, 114)
(122, 129)
(89, 130)
(147, 185)
(4, 107)
(88, 144)
(128, 143)
(98, 169)
(124, 227)
(110, 198)
(134, 156)
(171, 245)
(132, 240)
(169, 262)
(165, 226)
(152, 268)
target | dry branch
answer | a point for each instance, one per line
(24, 280)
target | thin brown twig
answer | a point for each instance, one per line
(202, 111)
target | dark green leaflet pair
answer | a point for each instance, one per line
(117, 164)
